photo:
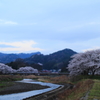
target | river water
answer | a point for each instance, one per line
(23, 95)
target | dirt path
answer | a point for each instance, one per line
(85, 97)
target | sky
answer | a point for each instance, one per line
(49, 25)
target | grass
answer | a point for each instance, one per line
(91, 77)
(79, 90)
(58, 79)
(5, 84)
(95, 91)
(82, 85)
(7, 80)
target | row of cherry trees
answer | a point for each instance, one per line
(87, 63)
(5, 69)
(27, 69)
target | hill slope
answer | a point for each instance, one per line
(55, 60)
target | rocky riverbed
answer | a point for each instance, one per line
(18, 87)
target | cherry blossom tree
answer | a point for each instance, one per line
(5, 69)
(85, 63)
(27, 69)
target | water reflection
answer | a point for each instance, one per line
(23, 95)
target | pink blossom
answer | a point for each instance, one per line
(85, 63)
(4, 69)
(27, 69)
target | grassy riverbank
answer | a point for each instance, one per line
(85, 87)
(7, 80)
(79, 90)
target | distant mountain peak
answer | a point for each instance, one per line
(52, 61)
(56, 60)
(6, 58)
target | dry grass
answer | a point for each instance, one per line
(57, 79)
(77, 92)
(30, 76)
(6, 80)
(10, 77)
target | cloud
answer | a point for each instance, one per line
(4, 22)
(18, 47)
(94, 48)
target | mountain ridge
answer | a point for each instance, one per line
(6, 58)
(55, 60)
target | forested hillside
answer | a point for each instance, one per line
(55, 60)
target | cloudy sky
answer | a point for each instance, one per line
(49, 25)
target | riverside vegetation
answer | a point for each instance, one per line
(84, 87)
(7, 80)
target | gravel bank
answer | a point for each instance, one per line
(18, 87)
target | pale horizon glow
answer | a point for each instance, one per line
(19, 47)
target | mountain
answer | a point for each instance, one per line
(21, 63)
(27, 55)
(57, 60)
(6, 58)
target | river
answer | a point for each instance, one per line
(23, 95)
